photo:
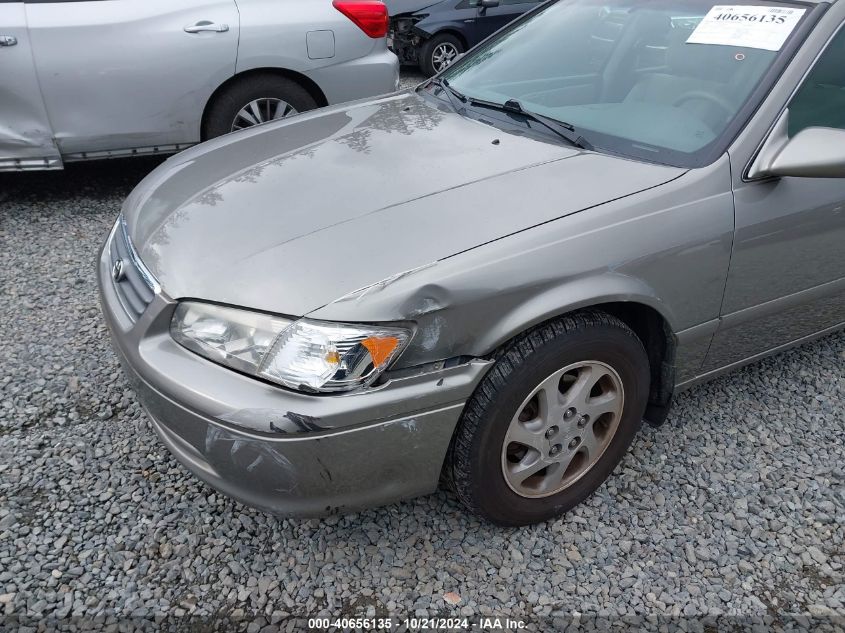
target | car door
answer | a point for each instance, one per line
(127, 74)
(26, 139)
(491, 20)
(787, 275)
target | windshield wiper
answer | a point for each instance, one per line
(563, 129)
(451, 93)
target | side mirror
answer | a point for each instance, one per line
(488, 4)
(815, 152)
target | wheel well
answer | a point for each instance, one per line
(307, 83)
(659, 342)
(457, 34)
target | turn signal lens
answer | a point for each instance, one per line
(369, 15)
(380, 348)
(316, 356)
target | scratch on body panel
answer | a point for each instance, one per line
(304, 422)
(276, 420)
(255, 451)
(362, 292)
(411, 425)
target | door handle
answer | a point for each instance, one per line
(203, 27)
(8, 40)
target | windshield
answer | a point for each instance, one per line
(660, 80)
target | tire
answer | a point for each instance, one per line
(481, 463)
(433, 47)
(265, 86)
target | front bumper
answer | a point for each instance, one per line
(284, 452)
(403, 40)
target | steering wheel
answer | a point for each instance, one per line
(723, 103)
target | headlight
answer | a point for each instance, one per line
(236, 338)
(305, 355)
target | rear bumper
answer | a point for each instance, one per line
(287, 453)
(369, 76)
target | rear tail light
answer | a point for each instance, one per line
(369, 15)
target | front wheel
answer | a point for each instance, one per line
(551, 420)
(439, 52)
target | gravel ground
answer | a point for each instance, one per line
(734, 507)
(410, 77)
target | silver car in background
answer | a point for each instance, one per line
(108, 78)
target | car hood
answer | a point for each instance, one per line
(297, 214)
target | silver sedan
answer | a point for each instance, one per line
(92, 79)
(493, 279)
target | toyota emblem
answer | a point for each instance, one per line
(117, 271)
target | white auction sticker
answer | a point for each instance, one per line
(746, 26)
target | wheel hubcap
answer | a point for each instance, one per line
(261, 111)
(562, 429)
(443, 55)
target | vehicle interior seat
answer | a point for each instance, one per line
(700, 78)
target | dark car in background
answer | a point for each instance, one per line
(432, 33)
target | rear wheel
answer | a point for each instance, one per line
(439, 52)
(551, 420)
(254, 100)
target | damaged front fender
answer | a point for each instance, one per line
(470, 304)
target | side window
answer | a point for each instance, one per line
(820, 102)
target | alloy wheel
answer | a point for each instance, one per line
(260, 111)
(443, 55)
(562, 429)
